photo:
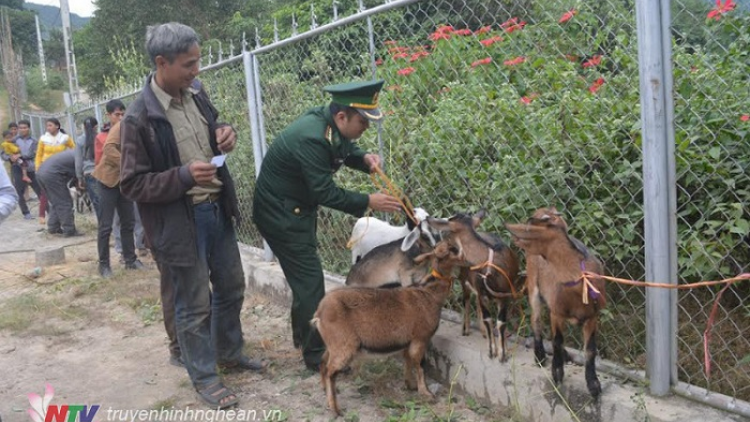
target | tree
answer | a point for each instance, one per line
(54, 49)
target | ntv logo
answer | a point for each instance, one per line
(42, 411)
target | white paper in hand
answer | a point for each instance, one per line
(218, 160)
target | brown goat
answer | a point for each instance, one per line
(357, 319)
(554, 265)
(488, 283)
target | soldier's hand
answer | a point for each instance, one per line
(203, 173)
(384, 202)
(372, 161)
(225, 138)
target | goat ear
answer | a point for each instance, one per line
(438, 223)
(477, 218)
(425, 228)
(525, 231)
(410, 239)
(421, 258)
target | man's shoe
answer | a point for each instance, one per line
(135, 265)
(55, 231)
(27, 216)
(244, 364)
(74, 233)
(105, 270)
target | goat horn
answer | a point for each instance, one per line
(460, 249)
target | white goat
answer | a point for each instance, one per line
(370, 232)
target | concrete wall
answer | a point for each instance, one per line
(518, 385)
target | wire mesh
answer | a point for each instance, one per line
(514, 105)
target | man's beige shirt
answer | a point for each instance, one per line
(191, 133)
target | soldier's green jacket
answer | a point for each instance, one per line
(297, 176)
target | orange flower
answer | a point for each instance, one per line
(463, 32)
(483, 30)
(596, 85)
(406, 71)
(745, 117)
(398, 50)
(444, 29)
(419, 55)
(567, 16)
(509, 22)
(513, 62)
(593, 61)
(489, 41)
(517, 27)
(439, 36)
(486, 60)
(720, 9)
(378, 62)
(571, 57)
(389, 42)
(400, 56)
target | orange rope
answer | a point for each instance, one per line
(588, 274)
(394, 191)
(489, 264)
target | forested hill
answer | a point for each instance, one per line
(49, 16)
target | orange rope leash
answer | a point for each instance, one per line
(489, 264)
(394, 191)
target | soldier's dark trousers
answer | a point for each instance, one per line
(304, 273)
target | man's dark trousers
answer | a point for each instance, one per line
(304, 273)
(20, 185)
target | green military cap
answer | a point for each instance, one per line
(360, 95)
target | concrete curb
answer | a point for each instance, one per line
(519, 384)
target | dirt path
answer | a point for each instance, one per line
(102, 342)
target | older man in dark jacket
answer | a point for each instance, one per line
(188, 205)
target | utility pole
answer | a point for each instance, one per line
(42, 63)
(70, 58)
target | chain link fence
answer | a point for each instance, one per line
(511, 105)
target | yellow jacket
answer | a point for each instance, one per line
(50, 145)
(10, 148)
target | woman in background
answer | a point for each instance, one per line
(54, 141)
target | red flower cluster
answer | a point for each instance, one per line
(418, 55)
(378, 62)
(398, 50)
(596, 85)
(513, 62)
(527, 100)
(400, 56)
(745, 117)
(512, 24)
(483, 30)
(390, 42)
(593, 61)
(486, 60)
(720, 9)
(567, 16)
(442, 33)
(489, 41)
(406, 71)
(463, 32)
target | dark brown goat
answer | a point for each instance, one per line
(489, 283)
(355, 319)
(554, 265)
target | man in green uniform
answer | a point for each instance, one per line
(297, 176)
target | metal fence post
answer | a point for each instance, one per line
(254, 108)
(659, 192)
(98, 114)
(381, 144)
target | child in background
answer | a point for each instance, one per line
(10, 148)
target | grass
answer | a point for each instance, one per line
(35, 313)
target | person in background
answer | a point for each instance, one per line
(10, 148)
(27, 153)
(54, 141)
(8, 195)
(54, 174)
(13, 128)
(85, 161)
(107, 172)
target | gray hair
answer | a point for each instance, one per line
(169, 40)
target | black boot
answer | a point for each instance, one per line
(105, 270)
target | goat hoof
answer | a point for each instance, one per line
(503, 358)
